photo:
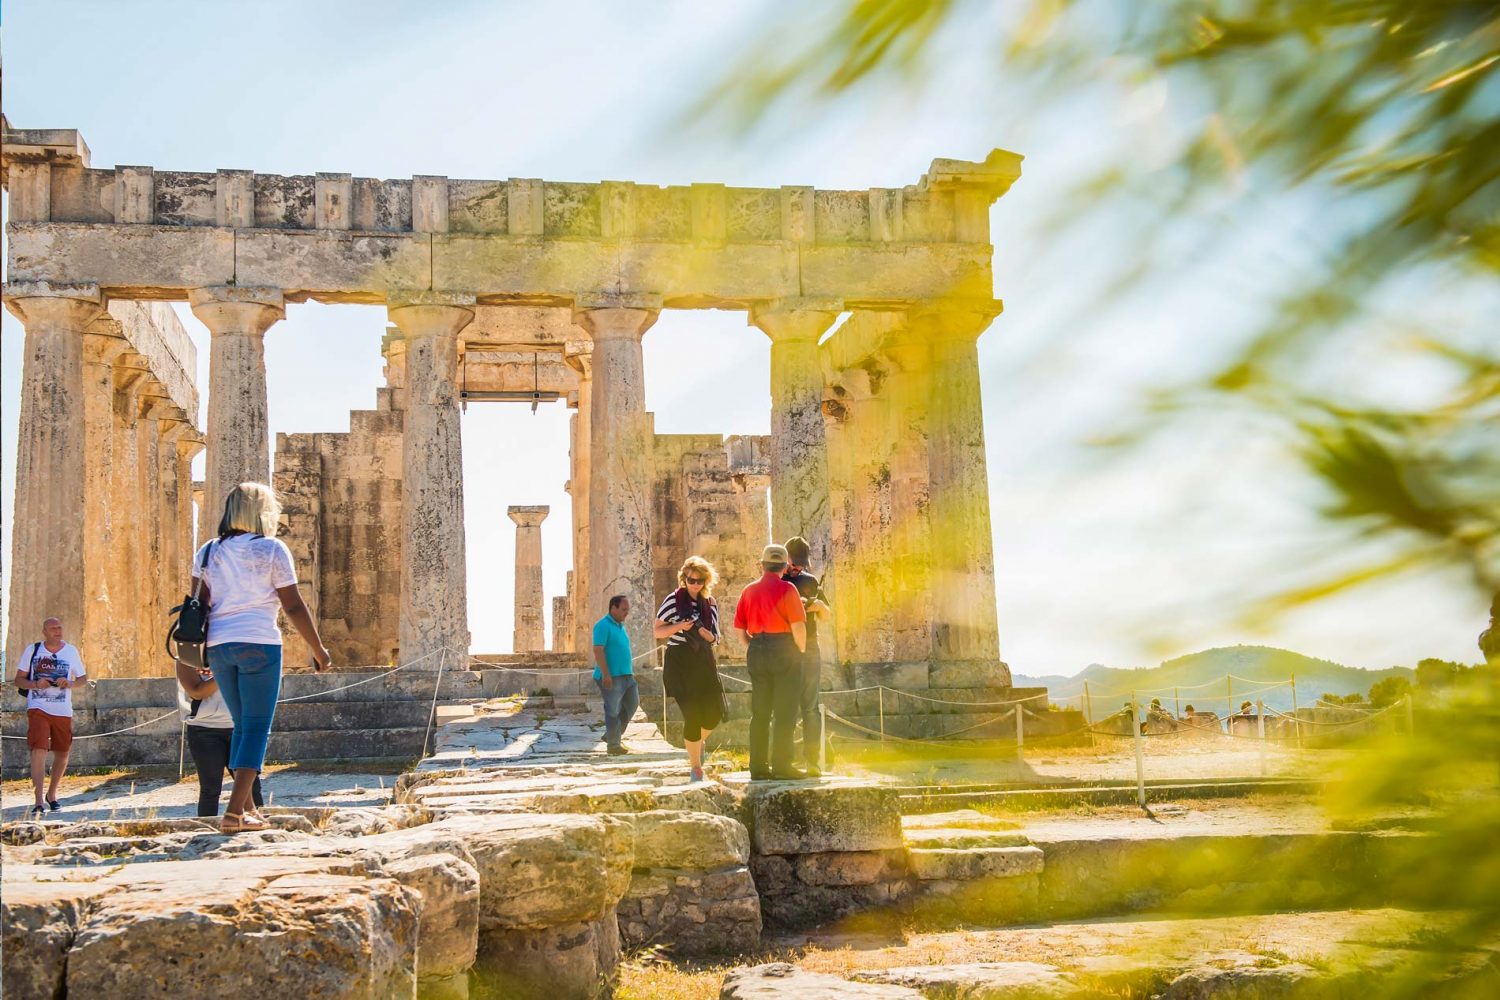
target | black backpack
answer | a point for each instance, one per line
(36, 648)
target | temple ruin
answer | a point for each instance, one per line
(504, 290)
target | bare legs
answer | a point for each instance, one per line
(239, 796)
(695, 753)
(39, 774)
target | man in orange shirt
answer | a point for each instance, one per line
(771, 621)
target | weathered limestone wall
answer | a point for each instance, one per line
(709, 499)
(342, 496)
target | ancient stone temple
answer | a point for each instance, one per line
(521, 290)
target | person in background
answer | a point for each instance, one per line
(48, 672)
(689, 620)
(771, 621)
(799, 554)
(614, 673)
(247, 576)
(210, 734)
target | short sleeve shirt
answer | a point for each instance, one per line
(243, 575)
(611, 635)
(769, 606)
(52, 667)
(808, 588)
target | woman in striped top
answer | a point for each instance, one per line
(689, 621)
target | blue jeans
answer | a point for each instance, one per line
(621, 699)
(249, 678)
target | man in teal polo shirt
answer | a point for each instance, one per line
(614, 674)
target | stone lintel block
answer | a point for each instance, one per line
(333, 201)
(689, 276)
(62, 146)
(616, 209)
(552, 270)
(127, 261)
(969, 674)
(797, 215)
(878, 273)
(670, 838)
(708, 212)
(429, 204)
(993, 175)
(135, 195)
(887, 219)
(966, 863)
(234, 198)
(808, 819)
(30, 189)
(330, 265)
(525, 202)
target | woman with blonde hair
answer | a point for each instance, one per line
(689, 620)
(246, 576)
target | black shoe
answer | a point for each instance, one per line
(789, 774)
(760, 775)
(617, 751)
(54, 805)
(37, 812)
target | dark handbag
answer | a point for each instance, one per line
(36, 647)
(189, 633)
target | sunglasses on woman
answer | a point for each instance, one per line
(693, 581)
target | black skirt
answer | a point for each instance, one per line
(690, 675)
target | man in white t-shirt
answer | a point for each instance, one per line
(48, 672)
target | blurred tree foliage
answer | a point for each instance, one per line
(1388, 111)
(1388, 690)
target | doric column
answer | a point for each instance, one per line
(127, 582)
(434, 593)
(620, 474)
(530, 626)
(102, 520)
(52, 449)
(562, 628)
(177, 448)
(799, 451)
(149, 611)
(239, 441)
(189, 443)
(907, 421)
(579, 355)
(963, 563)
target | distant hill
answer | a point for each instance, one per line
(1199, 678)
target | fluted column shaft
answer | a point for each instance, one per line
(103, 521)
(47, 539)
(238, 438)
(434, 591)
(620, 471)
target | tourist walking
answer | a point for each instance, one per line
(48, 672)
(209, 730)
(614, 673)
(771, 621)
(689, 620)
(246, 575)
(799, 556)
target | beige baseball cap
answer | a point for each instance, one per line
(774, 555)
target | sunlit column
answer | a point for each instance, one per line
(530, 625)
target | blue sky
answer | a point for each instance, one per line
(1117, 562)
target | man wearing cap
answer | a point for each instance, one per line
(772, 623)
(799, 554)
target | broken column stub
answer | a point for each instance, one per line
(434, 601)
(530, 632)
(620, 475)
(238, 436)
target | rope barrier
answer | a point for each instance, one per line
(113, 732)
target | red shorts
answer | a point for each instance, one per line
(48, 732)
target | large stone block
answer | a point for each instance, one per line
(128, 259)
(39, 922)
(449, 935)
(782, 981)
(808, 819)
(671, 839)
(331, 263)
(901, 676)
(850, 867)
(691, 912)
(970, 674)
(573, 960)
(540, 871)
(962, 863)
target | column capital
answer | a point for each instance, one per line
(104, 348)
(953, 319)
(429, 314)
(152, 406)
(795, 319)
(237, 311)
(68, 306)
(615, 322)
(579, 356)
(528, 516)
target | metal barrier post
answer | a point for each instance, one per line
(1088, 715)
(1229, 705)
(881, 692)
(823, 743)
(1020, 731)
(1260, 725)
(1296, 719)
(1140, 760)
(1176, 705)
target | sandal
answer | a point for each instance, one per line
(54, 805)
(242, 823)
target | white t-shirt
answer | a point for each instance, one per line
(243, 574)
(53, 667)
(212, 712)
